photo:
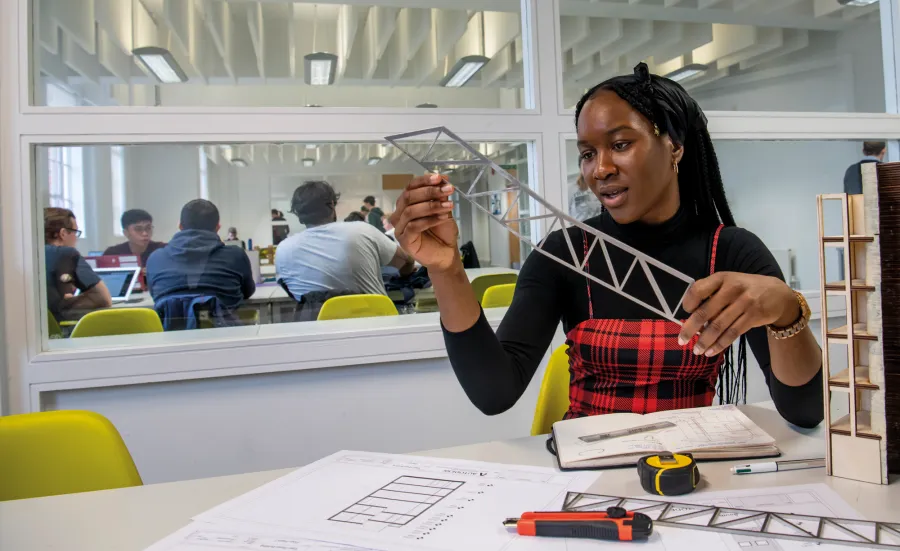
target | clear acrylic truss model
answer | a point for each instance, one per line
(470, 157)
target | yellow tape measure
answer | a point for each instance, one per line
(669, 474)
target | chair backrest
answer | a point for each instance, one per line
(55, 331)
(118, 321)
(482, 283)
(357, 306)
(62, 452)
(553, 399)
(498, 296)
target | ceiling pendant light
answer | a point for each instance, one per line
(464, 70)
(319, 67)
(160, 63)
(309, 161)
(856, 2)
(373, 161)
(687, 72)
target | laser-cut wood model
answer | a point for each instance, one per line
(857, 444)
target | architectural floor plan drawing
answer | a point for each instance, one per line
(398, 503)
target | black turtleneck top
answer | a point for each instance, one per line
(494, 369)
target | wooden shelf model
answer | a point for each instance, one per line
(855, 444)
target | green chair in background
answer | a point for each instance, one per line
(482, 283)
(118, 321)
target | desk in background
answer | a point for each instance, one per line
(134, 518)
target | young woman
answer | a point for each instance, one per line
(646, 154)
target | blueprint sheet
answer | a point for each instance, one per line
(353, 501)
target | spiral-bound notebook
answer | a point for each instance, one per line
(716, 432)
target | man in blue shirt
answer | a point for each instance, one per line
(197, 262)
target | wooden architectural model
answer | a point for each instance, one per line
(859, 443)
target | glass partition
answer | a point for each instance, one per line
(753, 55)
(239, 53)
(154, 222)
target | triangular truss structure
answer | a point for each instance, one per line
(747, 522)
(471, 157)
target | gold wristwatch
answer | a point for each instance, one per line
(797, 326)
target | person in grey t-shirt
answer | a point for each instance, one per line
(334, 256)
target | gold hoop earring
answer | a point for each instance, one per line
(675, 165)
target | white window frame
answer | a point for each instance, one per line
(290, 347)
(117, 185)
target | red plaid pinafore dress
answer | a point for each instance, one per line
(636, 366)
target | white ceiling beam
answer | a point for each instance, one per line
(47, 28)
(380, 26)
(413, 28)
(255, 23)
(500, 28)
(635, 34)
(144, 29)
(53, 65)
(76, 17)
(111, 56)
(81, 61)
(727, 40)
(684, 14)
(114, 18)
(767, 40)
(347, 25)
(794, 40)
(276, 46)
(573, 30)
(178, 15)
(603, 32)
(665, 37)
(497, 67)
(450, 26)
(693, 36)
(219, 25)
(474, 5)
(575, 72)
(425, 62)
(243, 54)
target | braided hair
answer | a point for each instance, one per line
(673, 112)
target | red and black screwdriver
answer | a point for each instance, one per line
(616, 524)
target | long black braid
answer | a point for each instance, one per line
(673, 112)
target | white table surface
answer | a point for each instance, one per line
(133, 518)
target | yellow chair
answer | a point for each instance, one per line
(482, 283)
(118, 321)
(357, 306)
(54, 330)
(498, 296)
(553, 400)
(62, 452)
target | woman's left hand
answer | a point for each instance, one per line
(726, 305)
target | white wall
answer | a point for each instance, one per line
(211, 427)
(161, 179)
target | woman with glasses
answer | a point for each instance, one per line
(66, 269)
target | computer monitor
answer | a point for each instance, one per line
(119, 281)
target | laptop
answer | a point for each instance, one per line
(119, 281)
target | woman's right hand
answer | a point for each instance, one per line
(424, 225)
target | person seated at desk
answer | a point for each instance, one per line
(137, 225)
(67, 270)
(329, 256)
(645, 151)
(197, 263)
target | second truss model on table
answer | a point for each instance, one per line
(468, 156)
